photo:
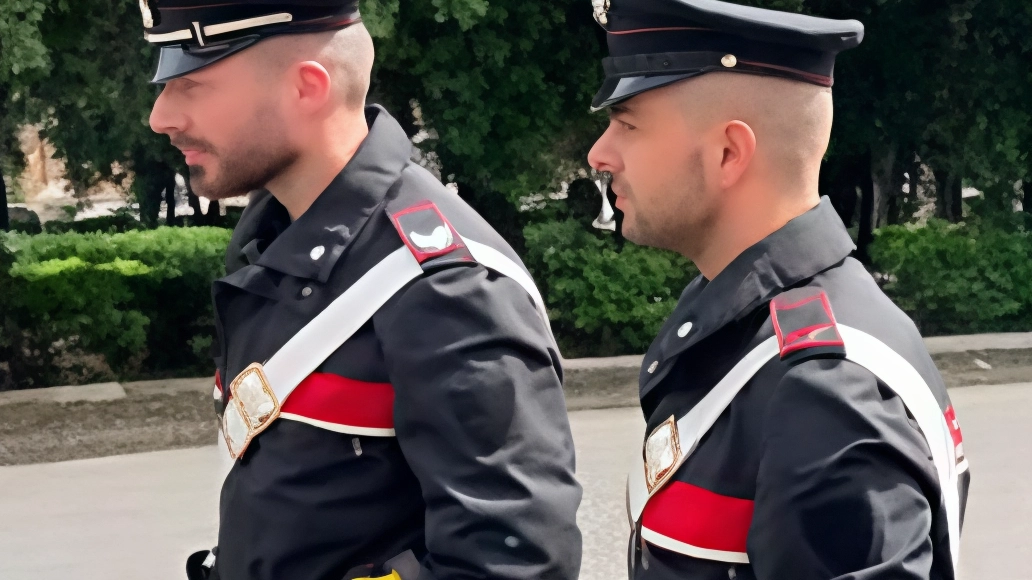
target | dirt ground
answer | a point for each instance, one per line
(149, 419)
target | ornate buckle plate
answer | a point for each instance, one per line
(662, 454)
(252, 408)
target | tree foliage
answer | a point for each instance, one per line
(938, 91)
(504, 85)
(90, 306)
(958, 278)
(936, 98)
(80, 70)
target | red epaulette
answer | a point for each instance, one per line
(805, 326)
(429, 235)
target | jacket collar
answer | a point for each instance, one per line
(310, 246)
(801, 249)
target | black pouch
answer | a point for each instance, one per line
(196, 568)
(405, 564)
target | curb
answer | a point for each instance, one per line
(605, 362)
(70, 394)
(618, 373)
(966, 342)
(106, 391)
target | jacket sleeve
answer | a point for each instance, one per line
(843, 481)
(481, 419)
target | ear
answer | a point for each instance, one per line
(312, 85)
(739, 148)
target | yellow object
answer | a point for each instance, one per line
(392, 576)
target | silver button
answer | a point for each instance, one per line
(317, 252)
(512, 541)
(653, 366)
(684, 330)
(306, 291)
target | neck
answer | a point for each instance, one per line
(742, 223)
(324, 155)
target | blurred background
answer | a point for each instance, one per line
(107, 257)
(106, 268)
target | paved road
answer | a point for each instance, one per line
(137, 516)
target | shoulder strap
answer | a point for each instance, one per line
(332, 327)
(659, 460)
(435, 243)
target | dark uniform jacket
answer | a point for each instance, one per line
(478, 479)
(816, 470)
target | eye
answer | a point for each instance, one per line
(617, 123)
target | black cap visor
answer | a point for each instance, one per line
(615, 90)
(177, 60)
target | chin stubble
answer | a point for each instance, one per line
(265, 155)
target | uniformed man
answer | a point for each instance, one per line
(387, 384)
(796, 427)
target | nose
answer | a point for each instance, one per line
(602, 156)
(164, 117)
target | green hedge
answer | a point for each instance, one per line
(957, 279)
(84, 307)
(119, 222)
(603, 299)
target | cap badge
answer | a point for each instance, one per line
(729, 60)
(601, 10)
(148, 18)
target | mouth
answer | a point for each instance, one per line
(193, 156)
(615, 189)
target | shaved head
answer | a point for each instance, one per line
(286, 110)
(712, 164)
(792, 120)
(346, 54)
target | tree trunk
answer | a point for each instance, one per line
(214, 215)
(884, 184)
(866, 234)
(148, 186)
(905, 207)
(951, 198)
(839, 179)
(1026, 196)
(195, 205)
(5, 222)
(957, 201)
(169, 183)
(212, 218)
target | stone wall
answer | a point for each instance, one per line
(47, 191)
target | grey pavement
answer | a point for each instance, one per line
(574, 367)
(138, 516)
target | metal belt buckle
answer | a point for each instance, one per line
(662, 454)
(251, 408)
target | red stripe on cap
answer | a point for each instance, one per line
(666, 29)
(336, 399)
(814, 78)
(699, 517)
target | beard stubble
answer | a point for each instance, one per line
(261, 153)
(678, 217)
